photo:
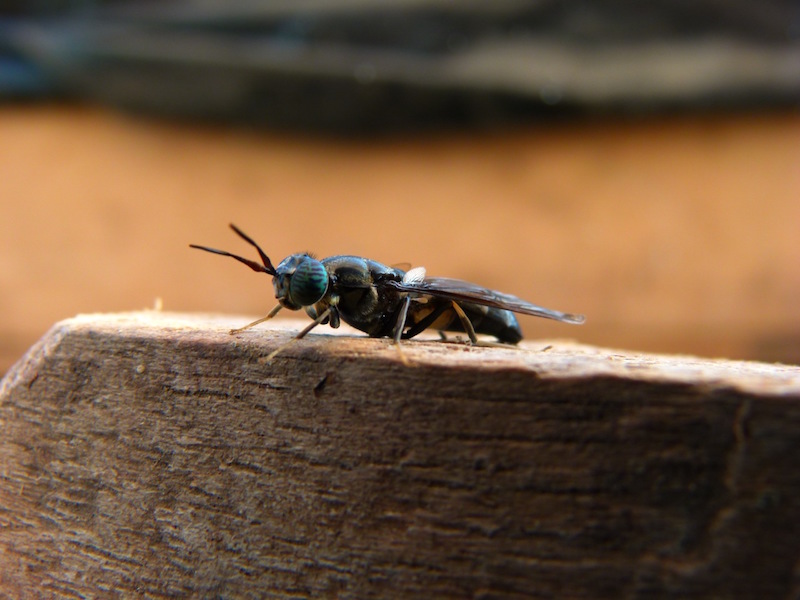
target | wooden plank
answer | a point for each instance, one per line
(153, 454)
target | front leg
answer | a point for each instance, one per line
(335, 318)
(320, 319)
(329, 305)
(332, 313)
(271, 314)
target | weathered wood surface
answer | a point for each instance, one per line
(149, 454)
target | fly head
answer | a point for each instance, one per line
(300, 281)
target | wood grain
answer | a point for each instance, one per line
(153, 454)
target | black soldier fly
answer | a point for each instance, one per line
(385, 301)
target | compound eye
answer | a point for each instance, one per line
(309, 283)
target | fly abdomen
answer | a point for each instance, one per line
(488, 320)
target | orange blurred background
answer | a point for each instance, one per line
(672, 234)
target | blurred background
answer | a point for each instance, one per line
(635, 162)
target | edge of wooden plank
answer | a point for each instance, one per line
(549, 359)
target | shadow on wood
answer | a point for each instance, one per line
(154, 454)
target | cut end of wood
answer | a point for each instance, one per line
(157, 454)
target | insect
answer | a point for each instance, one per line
(384, 301)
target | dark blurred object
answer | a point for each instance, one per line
(361, 66)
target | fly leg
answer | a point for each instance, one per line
(401, 320)
(324, 315)
(431, 318)
(398, 329)
(426, 322)
(271, 314)
(412, 277)
(466, 323)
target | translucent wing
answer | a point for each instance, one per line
(464, 291)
